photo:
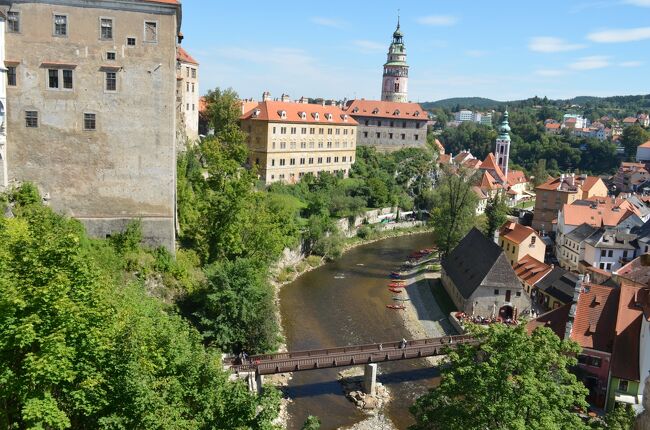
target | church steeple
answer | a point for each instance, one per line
(395, 79)
(502, 150)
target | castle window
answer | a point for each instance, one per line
(403, 136)
(61, 25)
(111, 81)
(53, 78)
(110, 56)
(378, 123)
(106, 28)
(193, 73)
(416, 137)
(13, 20)
(396, 87)
(31, 119)
(130, 41)
(11, 76)
(378, 135)
(90, 121)
(150, 31)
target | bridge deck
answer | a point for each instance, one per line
(268, 364)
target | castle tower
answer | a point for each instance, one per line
(502, 151)
(396, 72)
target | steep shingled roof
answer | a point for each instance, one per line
(516, 232)
(530, 270)
(388, 110)
(625, 357)
(183, 56)
(314, 113)
(477, 261)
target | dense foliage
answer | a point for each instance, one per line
(453, 210)
(511, 381)
(82, 345)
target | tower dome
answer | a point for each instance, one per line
(395, 79)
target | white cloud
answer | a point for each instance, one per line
(368, 46)
(552, 44)
(476, 53)
(438, 20)
(620, 35)
(631, 64)
(550, 72)
(642, 3)
(327, 22)
(590, 63)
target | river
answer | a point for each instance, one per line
(344, 303)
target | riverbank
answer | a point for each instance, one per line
(311, 262)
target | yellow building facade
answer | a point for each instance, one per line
(288, 140)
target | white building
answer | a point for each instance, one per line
(643, 152)
(580, 121)
(609, 249)
(464, 116)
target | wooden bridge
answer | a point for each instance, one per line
(283, 362)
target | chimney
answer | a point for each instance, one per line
(266, 96)
(285, 97)
(496, 236)
(572, 312)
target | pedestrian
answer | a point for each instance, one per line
(381, 347)
(245, 356)
(402, 344)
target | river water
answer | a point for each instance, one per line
(344, 303)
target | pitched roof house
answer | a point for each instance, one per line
(480, 280)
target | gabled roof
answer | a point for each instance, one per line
(607, 214)
(530, 270)
(313, 113)
(559, 284)
(479, 193)
(463, 156)
(184, 57)
(554, 126)
(388, 110)
(477, 261)
(490, 163)
(516, 177)
(593, 324)
(637, 270)
(516, 232)
(557, 184)
(625, 357)
(488, 182)
(581, 232)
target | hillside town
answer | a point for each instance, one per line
(180, 223)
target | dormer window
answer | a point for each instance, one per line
(344, 117)
(316, 116)
(355, 110)
(256, 113)
(303, 115)
(396, 112)
(417, 113)
(283, 114)
(375, 111)
(328, 116)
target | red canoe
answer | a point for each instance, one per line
(400, 307)
(395, 290)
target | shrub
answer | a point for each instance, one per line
(313, 260)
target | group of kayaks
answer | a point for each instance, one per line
(416, 255)
(396, 286)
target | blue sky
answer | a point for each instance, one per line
(503, 50)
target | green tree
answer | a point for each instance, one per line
(454, 209)
(539, 173)
(510, 381)
(236, 310)
(83, 348)
(621, 417)
(633, 137)
(496, 212)
(222, 108)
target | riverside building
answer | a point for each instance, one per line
(289, 139)
(91, 109)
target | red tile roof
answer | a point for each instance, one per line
(530, 270)
(490, 163)
(515, 232)
(553, 126)
(313, 113)
(488, 182)
(183, 56)
(637, 270)
(444, 158)
(629, 120)
(607, 213)
(595, 317)
(585, 182)
(441, 148)
(516, 177)
(389, 110)
(625, 357)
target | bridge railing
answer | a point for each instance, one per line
(348, 356)
(345, 349)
